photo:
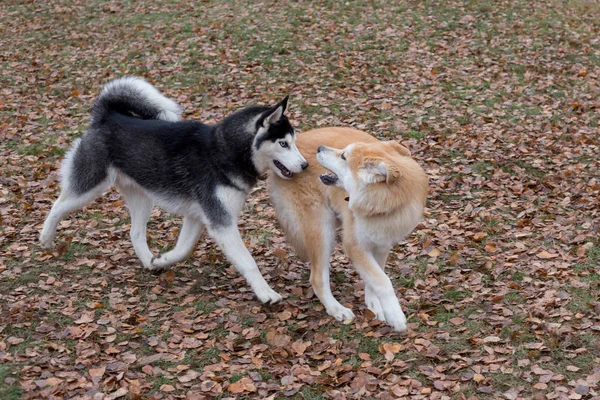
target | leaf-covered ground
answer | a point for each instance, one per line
(499, 101)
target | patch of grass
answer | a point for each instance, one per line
(370, 345)
(516, 166)
(265, 375)
(206, 357)
(20, 348)
(414, 134)
(456, 294)
(517, 276)
(483, 168)
(339, 277)
(247, 321)
(158, 381)
(581, 299)
(312, 393)
(25, 278)
(503, 382)
(405, 281)
(8, 391)
(342, 332)
(514, 297)
(76, 249)
(589, 268)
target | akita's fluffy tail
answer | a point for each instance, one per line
(134, 96)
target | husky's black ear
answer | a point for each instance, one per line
(283, 103)
(274, 114)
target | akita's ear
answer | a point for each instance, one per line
(374, 171)
(403, 151)
(274, 114)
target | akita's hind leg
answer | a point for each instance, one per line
(140, 208)
(67, 202)
(318, 234)
(190, 233)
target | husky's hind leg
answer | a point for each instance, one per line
(66, 203)
(79, 187)
(140, 208)
(190, 233)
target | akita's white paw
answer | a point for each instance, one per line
(340, 313)
(397, 320)
(374, 305)
(268, 296)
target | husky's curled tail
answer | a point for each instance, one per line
(134, 97)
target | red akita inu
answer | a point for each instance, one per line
(377, 193)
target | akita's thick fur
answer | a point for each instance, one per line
(375, 190)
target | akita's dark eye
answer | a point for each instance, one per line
(343, 156)
(283, 144)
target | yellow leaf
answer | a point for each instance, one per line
(546, 255)
(479, 236)
(434, 253)
(491, 248)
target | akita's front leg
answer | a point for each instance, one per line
(371, 300)
(229, 241)
(380, 287)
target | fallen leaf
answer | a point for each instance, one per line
(545, 255)
(243, 385)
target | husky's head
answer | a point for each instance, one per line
(274, 145)
(361, 164)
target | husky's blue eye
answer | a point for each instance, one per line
(283, 144)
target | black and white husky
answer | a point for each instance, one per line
(204, 172)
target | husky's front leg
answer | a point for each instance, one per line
(229, 240)
(190, 233)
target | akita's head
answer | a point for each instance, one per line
(274, 145)
(361, 164)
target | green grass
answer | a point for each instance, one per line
(9, 391)
(581, 300)
(313, 392)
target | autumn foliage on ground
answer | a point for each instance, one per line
(499, 101)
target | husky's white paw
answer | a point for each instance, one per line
(268, 296)
(340, 313)
(159, 262)
(150, 265)
(45, 243)
(46, 240)
(373, 304)
(397, 320)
